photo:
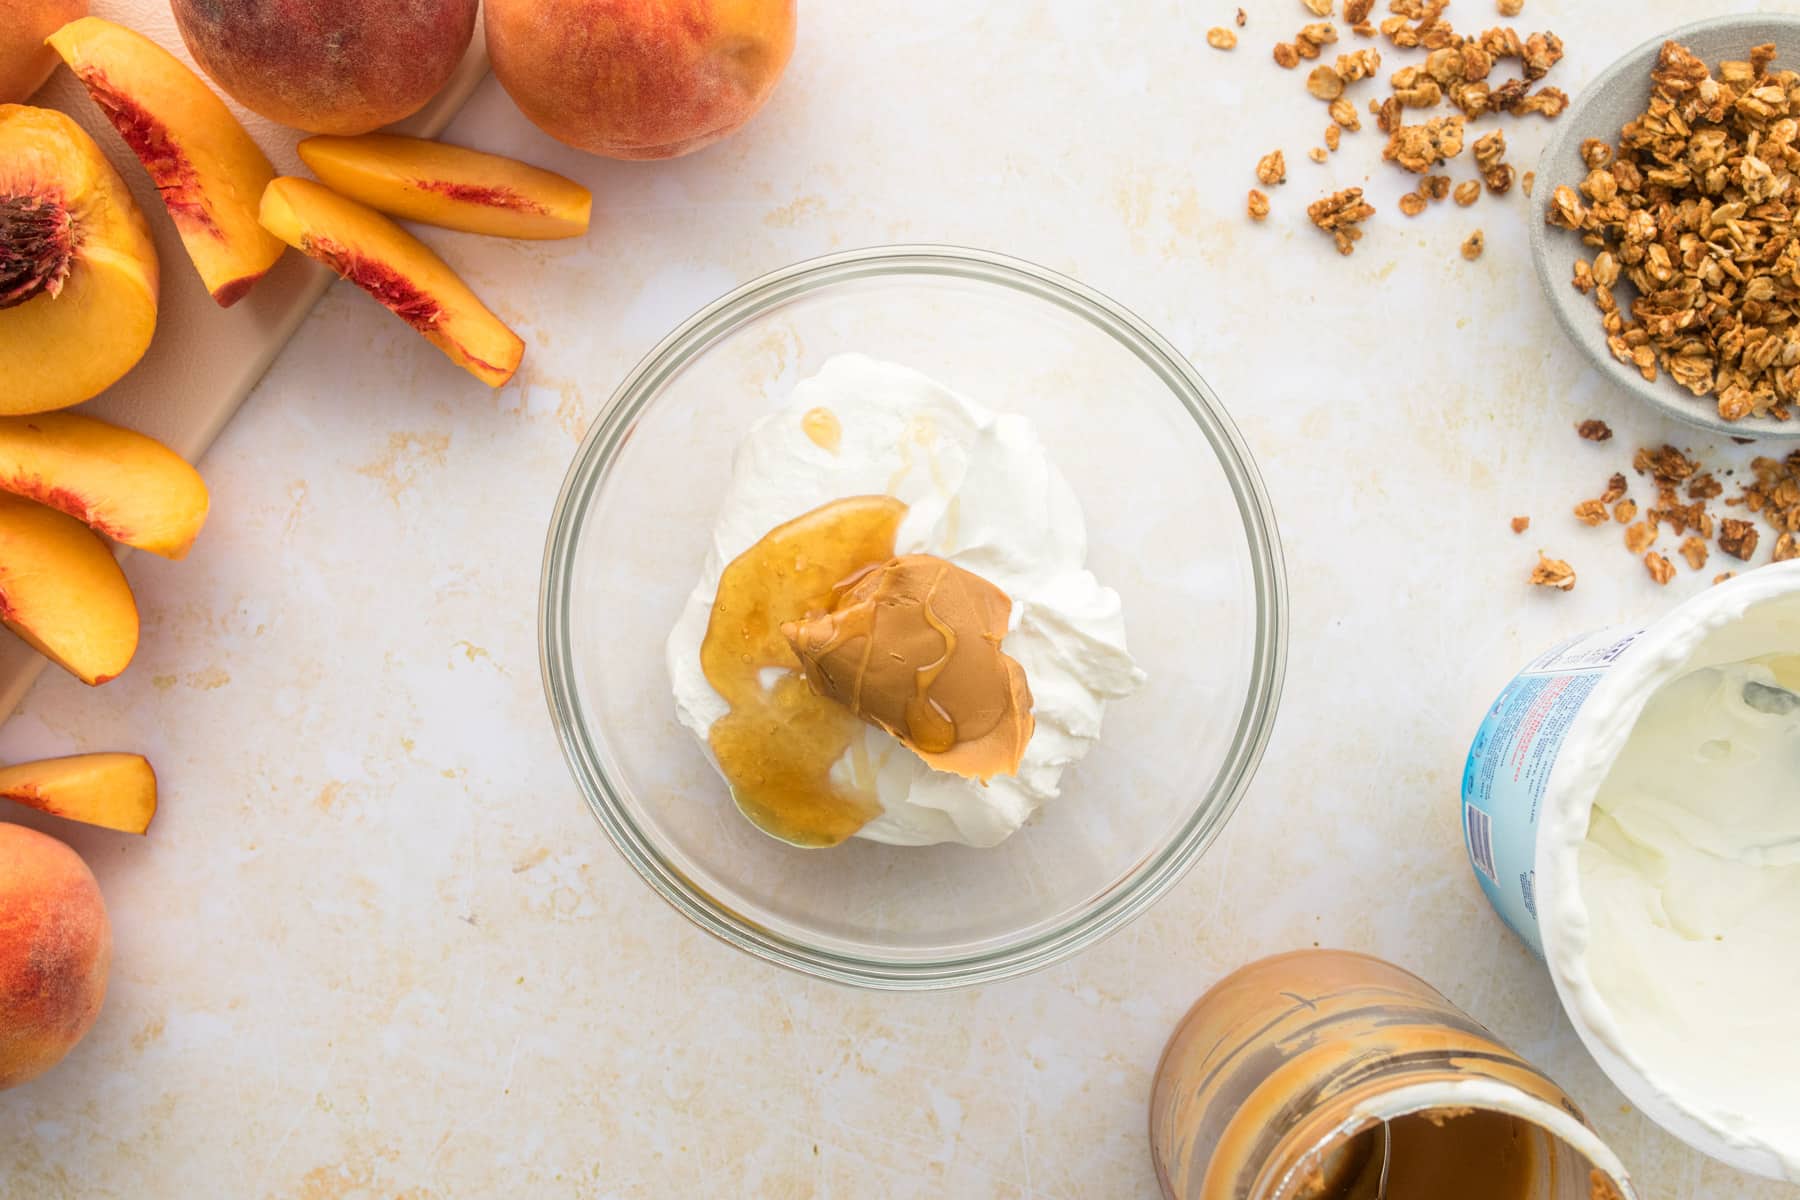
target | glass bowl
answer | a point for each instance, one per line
(1178, 522)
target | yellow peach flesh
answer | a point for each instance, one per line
(112, 791)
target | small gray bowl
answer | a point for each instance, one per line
(1620, 93)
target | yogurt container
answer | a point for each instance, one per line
(1655, 915)
(1329, 1075)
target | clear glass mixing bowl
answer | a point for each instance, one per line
(1178, 522)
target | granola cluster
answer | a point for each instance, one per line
(1458, 70)
(1682, 510)
(1692, 209)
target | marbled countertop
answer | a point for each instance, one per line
(376, 946)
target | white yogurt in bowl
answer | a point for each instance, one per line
(1654, 780)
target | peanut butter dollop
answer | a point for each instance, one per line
(913, 646)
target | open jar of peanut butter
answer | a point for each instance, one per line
(1327, 1075)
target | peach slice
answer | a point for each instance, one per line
(450, 186)
(208, 171)
(130, 487)
(62, 591)
(113, 791)
(397, 269)
(78, 274)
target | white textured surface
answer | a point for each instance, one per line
(374, 945)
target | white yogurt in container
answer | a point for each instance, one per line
(1632, 808)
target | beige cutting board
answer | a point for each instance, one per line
(204, 359)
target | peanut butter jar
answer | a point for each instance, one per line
(1327, 1075)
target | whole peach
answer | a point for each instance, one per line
(639, 78)
(55, 951)
(25, 62)
(328, 66)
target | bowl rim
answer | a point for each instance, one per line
(1145, 882)
(1574, 312)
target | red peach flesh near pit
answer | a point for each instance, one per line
(37, 248)
(174, 176)
(394, 290)
(474, 193)
(64, 501)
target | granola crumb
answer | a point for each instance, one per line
(1625, 512)
(1521, 524)
(1592, 512)
(1737, 538)
(1594, 431)
(1319, 8)
(1786, 548)
(1616, 487)
(1333, 137)
(1474, 245)
(1343, 112)
(1660, 568)
(1286, 57)
(1553, 573)
(1341, 214)
(1220, 38)
(1271, 168)
(1241, 18)
(1468, 192)
(1694, 550)
(1510, 8)
(1259, 206)
(1528, 183)
(1435, 187)
(1723, 576)
(1318, 154)
(1640, 537)
(1412, 204)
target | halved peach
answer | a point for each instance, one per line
(208, 171)
(397, 269)
(130, 487)
(78, 273)
(62, 591)
(113, 791)
(451, 186)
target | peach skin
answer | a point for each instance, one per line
(639, 78)
(25, 62)
(55, 952)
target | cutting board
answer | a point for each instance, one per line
(204, 359)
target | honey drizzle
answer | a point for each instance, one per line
(776, 745)
(821, 425)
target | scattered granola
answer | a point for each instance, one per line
(1241, 18)
(1333, 137)
(1259, 206)
(1694, 550)
(1220, 38)
(1356, 12)
(1468, 192)
(1319, 8)
(1615, 488)
(1343, 112)
(1318, 154)
(1528, 183)
(1490, 160)
(1625, 512)
(1691, 210)
(1595, 431)
(1419, 148)
(1286, 56)
(1435, 187)
(1325, 83)
(1341, 215)
(1640, 537)
(1553, 573)
(1271, 168)
(1473, 245)
(1721, 578)
(1660, 568)
(1412, 204)
(1521, 524)
(1510, 8)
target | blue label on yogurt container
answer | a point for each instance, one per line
(1509, 768)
